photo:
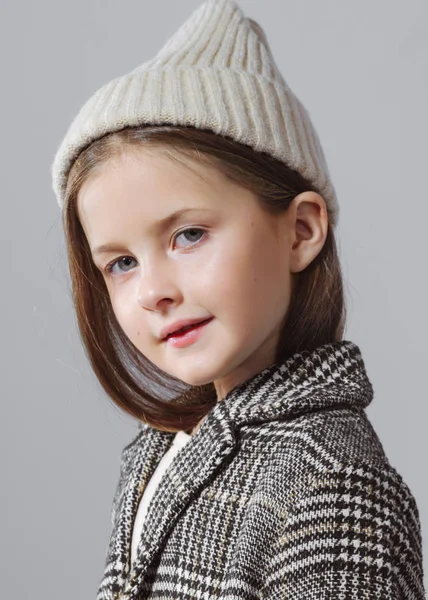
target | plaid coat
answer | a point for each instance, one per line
(284, 492)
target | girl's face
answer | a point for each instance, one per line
(224, 259)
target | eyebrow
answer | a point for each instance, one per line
(161, 225)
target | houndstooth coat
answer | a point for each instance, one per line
(284, 492)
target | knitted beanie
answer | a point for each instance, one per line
(216, 72)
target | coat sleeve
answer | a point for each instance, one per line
(353, 533)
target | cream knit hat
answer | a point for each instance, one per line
(216, 72)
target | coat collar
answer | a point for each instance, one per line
(332, 375)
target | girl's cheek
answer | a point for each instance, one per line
(121, 297)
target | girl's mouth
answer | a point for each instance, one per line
(187, 335)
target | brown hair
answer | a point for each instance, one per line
(316, 313)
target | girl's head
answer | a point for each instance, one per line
(254, 252)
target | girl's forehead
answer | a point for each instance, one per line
(152, 173)
(150, 187)
(161, 161)
(157, 178)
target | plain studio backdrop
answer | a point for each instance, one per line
(360, 68)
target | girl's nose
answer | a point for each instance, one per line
(154, 288)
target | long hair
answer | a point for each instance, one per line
(316, 314)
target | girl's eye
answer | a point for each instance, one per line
(192, 232)
(110, 266)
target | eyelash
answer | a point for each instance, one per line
(108, 268)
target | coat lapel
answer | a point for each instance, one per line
(193, 467)
(138, 462)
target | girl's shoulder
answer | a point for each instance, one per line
(341, 502)
(328, 436)
(336, 449)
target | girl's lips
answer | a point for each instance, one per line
(186, 329)
(187, 337)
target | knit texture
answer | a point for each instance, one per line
(217, 73)
(284, 492)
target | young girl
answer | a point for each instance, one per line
(200, 223)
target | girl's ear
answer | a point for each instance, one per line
(309, 225)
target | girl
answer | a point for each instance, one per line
(199, 216)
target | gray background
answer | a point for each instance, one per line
(360, 68)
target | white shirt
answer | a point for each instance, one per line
(181, 438)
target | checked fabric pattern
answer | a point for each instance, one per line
(285, 492)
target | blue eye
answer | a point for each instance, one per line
(191, 230)
(109, 267)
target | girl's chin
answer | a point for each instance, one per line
(193, 375)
